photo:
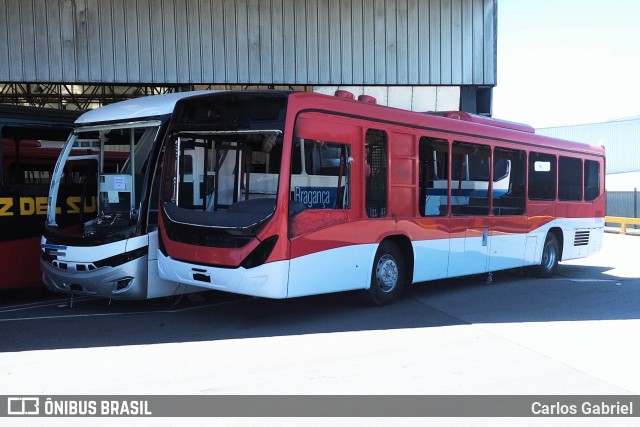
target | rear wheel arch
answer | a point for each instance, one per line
(551, 254)
(557, 232)
(406, 249)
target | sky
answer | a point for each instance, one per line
(565, 62)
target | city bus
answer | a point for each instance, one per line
(287, 194)
(30, 142)
(111, 254)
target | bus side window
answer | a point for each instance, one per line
(591, 180)
(36, 174)
(569, 179)
(542, 176)
(434, 177)
(470, 179)
(325, 182)
(508, 181)
(376, 181)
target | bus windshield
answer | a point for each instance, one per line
(222, 165)
(226, 179)
(110, 162)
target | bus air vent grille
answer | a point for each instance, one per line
(581, 238)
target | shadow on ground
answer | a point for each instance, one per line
(45, 321)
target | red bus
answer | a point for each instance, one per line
(25, 167)
(287, 194)
(31, 140)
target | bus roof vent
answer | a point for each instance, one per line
(344, 94)
(483, 120)
(367, 99)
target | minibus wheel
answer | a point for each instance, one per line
(387, 276)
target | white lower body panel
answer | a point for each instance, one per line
(431, 259)
(349, 268)
(342, 269)
(267, 280)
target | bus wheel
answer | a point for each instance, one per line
(550, 255)
(387, 276)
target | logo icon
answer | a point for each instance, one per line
(23, 406)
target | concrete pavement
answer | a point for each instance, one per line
(573, 334)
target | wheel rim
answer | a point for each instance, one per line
(549, 256)
(387, 273)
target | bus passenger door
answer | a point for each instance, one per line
(324, 250)
(469, 246)
(470, 201)
(510, 246)
(508, 243)
(431, 236)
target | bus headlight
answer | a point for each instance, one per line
(260, 254)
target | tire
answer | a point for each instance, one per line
(550, 257)
(387, 276)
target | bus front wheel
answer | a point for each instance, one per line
(550, 256)
(387, 276)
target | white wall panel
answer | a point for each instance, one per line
(414, 98)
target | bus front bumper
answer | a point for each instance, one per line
(125, 281)
(267, 280)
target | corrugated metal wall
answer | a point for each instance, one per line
(623, 203)
(621, 139)
(311, 42)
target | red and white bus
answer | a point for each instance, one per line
(286, 194)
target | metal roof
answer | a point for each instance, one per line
(131, 109)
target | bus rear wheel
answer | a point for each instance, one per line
(387, 276)
(550, 255)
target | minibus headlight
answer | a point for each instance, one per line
(122, 283)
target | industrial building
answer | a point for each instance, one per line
(416, 54)
(621, 139)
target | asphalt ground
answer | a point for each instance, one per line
(575, 333)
